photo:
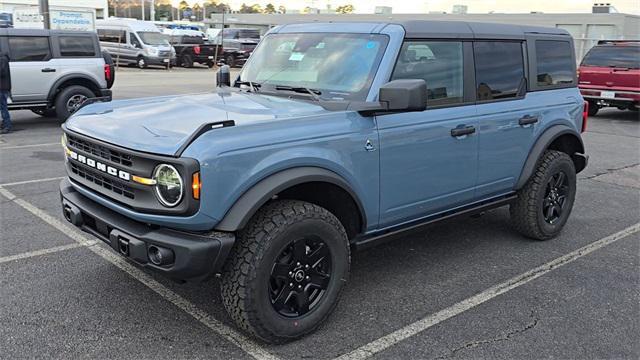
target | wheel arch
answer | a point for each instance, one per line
(558, 137)
(313, 184)
(70, 80)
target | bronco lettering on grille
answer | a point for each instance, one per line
(100, 166)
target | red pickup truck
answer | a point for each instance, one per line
(609, 75)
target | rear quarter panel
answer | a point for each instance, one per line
(92, 68)
(556, 107)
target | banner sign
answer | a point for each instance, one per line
(30, 18)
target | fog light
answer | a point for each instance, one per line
(160, 256)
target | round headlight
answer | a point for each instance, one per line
(168, 186)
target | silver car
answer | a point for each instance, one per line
(55, 72)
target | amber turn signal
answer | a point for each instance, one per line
(196, 185)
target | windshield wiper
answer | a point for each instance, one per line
(254, 86)
(301, 89)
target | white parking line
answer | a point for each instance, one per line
(233, 336)
(425, 323)
(27, 146)
(31, 181)
(35, 253)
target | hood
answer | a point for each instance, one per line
(161, 125)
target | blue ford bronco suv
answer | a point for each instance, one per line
(332, 137)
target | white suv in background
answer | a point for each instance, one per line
(54, 72)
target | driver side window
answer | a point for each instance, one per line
(134, 41)
(439, 63)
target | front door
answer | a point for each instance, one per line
(33, 71)
(428, 159)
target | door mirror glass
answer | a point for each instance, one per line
(404, 95)
(223, 76)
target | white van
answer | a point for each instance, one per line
(131, 41)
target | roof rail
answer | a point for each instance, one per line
(603, 42)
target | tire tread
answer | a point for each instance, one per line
(240, 269)
(524, 211)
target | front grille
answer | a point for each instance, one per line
(105, 182)
(164, 53)
(101, 151)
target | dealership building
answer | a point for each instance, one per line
(586, 28)
(65, 14)
(98, 7)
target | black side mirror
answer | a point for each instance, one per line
(404, 95)
(223, 76)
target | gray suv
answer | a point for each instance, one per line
(55, 72)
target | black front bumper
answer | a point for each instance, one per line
(196, 256)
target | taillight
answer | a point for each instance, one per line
(107, 72)
(196, 49)
(585, 116)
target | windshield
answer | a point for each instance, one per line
(339, 66)
(153, 38)
(617, 56)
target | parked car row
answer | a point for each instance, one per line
(141, 43)
(57, 71)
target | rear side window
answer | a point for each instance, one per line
(439, 63)
(613, 55)
(499, 69)
(555, 63)
(113, 36)
(77, 46)
(29, 48)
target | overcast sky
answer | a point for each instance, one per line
(475, 6)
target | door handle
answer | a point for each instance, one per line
(527, 120)
(48, 70)
(462, 130)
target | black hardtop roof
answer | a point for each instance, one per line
(41, 32)
(618, 43)
(476, 30)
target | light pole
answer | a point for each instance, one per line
(152, 11)
(142, 7)
(44, 11)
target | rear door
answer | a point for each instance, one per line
(506, 118)
(33, 70)
(79, 53)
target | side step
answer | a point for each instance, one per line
(395, 232)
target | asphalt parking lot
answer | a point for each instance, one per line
(465, 288)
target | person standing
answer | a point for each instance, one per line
(5, 90)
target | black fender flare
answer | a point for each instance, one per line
(542, 144)
(56, 86)
(248, 203)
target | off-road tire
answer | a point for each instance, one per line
(231, 61)
(593, 108)
(246, 273)
(186, 61)
(67, 93)
(526, 212)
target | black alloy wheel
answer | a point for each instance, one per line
(300, 277)
(285, 273)
(544, 203)
(555, 198)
